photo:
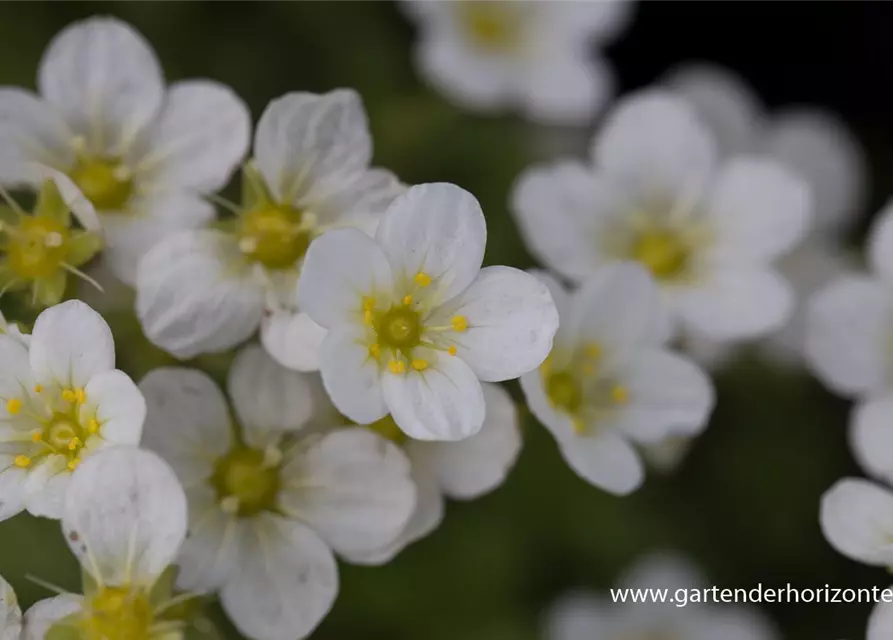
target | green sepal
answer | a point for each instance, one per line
(254, 188)
(48, 291)
(81, 247)
(9, 281)
(226, 225)
(163, 589)
(51, 204)
(89, 585)
(68, 628)
(202, 628)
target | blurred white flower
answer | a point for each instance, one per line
(13, 331)
(125, 520)
(61, 400)
(857, 520)
(590, 616)
(415, 323)
(10, 613)
(141, 154)
(538, 57)
(267, 509)
(206, 290)
(610, 382)
(463, 470)
(880, 622)
(708, 231)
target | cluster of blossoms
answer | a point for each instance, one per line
(367, 336)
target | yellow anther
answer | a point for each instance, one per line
(422, 279)
(619, 394)
(22, 462)
(74, 443)
(13, 406)
(93, 425)
(452, 350)
(37, 436)
(38, 388)
(69, 395)
(407, 300)
(419, 365)
(460, 323)
(367, 316)
(368, 303)
(588, 369)
(80, 395)
(593, 351)
(396, 366)
(374, 350)
(73, 464)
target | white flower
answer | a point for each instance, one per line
(125, 520)
(60, 401)
(880, 622)
(656, 194)
(267, 509)
(141, 154)
(206, 291)
(463, 470)
(535, 56)
(10, 613)
(610, 381)
(590, 616)
(414, 322)
(857, 519)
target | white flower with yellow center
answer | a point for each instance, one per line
(610, 382)
(10, 613)
(707, 231)
(591, 616)
(267, 508)
(206, 291)
(492, 55)
(140, 153)
(463, 470)
(415, 323)
(125, 520)
(60, 401)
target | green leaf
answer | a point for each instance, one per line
(82, 246)
(51, 204)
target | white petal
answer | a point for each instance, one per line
(292, 338)
(654, 144)
(352, 487)
(511, 323)
(847, 333)
(871, 437)
(199, 138)
(734, 624)
(661, 570)
(351, 378)
(192, 296)
(208, 557)
(116, 402)
(15, 374)
(12, 489)
(125, 516)
(46, 487)
(443, 402)
(736, 304)
(759, 210)
(10, 613)
(557, 422)
(880, 622)
(825, 152)
(187, 422)
(71, 194)
(340, 268)
(437, 229)
(44, 614)
(472, 467)
(104, 78)
(619, 309)
(285, 583)
(309, 144)
(579, 616)
(567, 87)
(561, 297)
(268, 399)
(880, 243)
(857, 519)
(30, 131)
(605, 460)
(70, 344)
(366, 195)
(723, 100)
(668, 394)
(560, 210)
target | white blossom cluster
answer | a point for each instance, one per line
(368, 339)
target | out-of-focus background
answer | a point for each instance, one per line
(744, 504)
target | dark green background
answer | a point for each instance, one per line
(745, 503)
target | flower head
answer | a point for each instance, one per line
(61, 400)
(125, 520)
(141, 154)
(534, 56)
(10, 613)
(610, 382)
(656, 195)
(206, 291)
(269, 505)
(414, 322)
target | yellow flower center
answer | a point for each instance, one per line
(491, 25)
(664, 252)
(118, 613)
(274, 235)
(564, 391)
(64, 433)
(387, 428)
(106, 182)
(36, 247)
(246, 481)
(399, 328)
